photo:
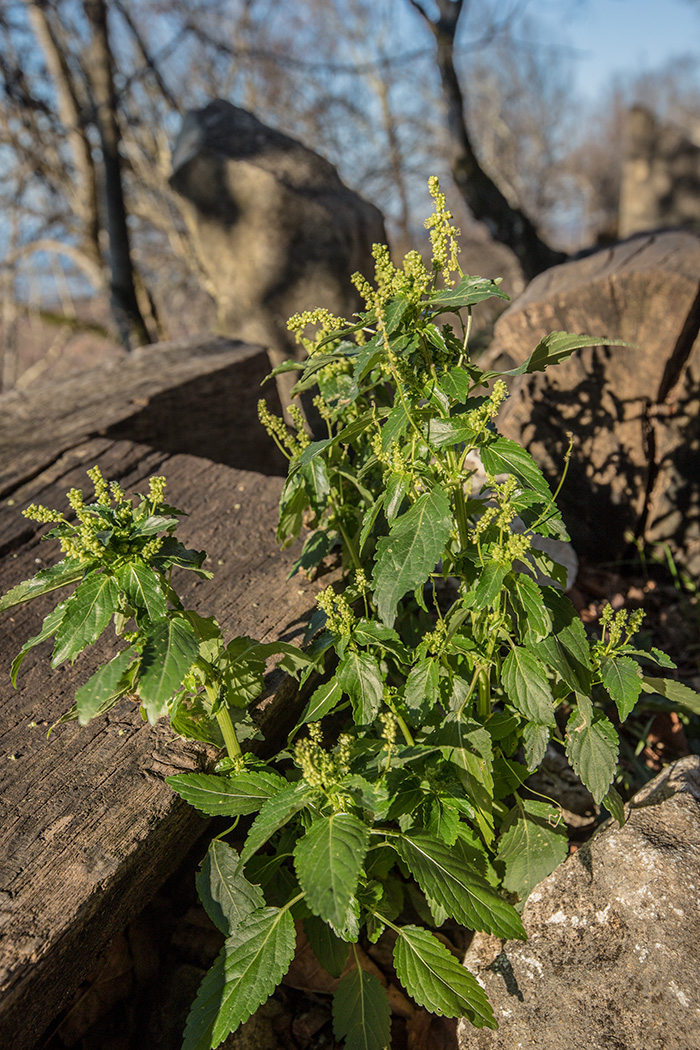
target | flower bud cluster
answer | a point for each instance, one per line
(479, 418)
(620, 626)
(326, 321)
(340, 617)
(280, 433)
(443, 234)
(322, 769)
(101, 486)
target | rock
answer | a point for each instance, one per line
(276, 229)
(634, 410)
(611, 962)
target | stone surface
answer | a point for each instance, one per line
(634, 410)
(276, 229)
(611, 962)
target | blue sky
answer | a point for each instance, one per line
(620, 36)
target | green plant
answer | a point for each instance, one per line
(401, 798)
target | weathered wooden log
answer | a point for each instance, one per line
(198, 396)
(88, 827)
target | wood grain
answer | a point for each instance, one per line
(88, 828)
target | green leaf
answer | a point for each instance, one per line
(328, 860)
(143, 590)
(359, 676)
(225, 796)
(411, 551)
(223, 889)
(622, 677)
(67, 571)
(489, 584)
(534, 621)
(249, 967)
(615, 806)
(48, 629)
(87, 613)
(566, 650)
(170, 650)
(315, 549)
(468, 746)
(504, 456)
(591, 747)
(675, 691)
(445, 876)
(443, 433)
(330, 951)
(526, 685)
(558, 346)
(469, 291)
(107, 685)
(436, 980)
(535, 740)
(361, 1012)
(456, 384)
(274, 815)
(533, 842)
(320, 703)
(421, 692)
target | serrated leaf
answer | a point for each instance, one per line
(622, 677)
(225, 796)
(421, 692)
(445, 876)
(223, 889)
(675, 691)
(591, 747)
(456, 384)
(330, 951)
(107, 685)
(170, 650)
(527, 687)
(361, 1012)
(410, 552)
(489, 584)
(249, 967)
(532, 843)
(615, 806)
(320, 703)
(87, 613)
(535, 740)
(468, 746)
(143, 590)
(359, 676)
(566, 650)
(48, 629)
(504, 456)
(328, 860)
(67, 571)
(274, 815)
(469, 291)
(436, 980)
(534, 621)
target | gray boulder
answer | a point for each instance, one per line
(276, 229)
(634, 410)
(613, 959)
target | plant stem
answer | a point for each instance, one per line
(228, 732)
(483, 706)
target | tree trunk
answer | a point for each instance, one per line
(487, 204)
(125, 308)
